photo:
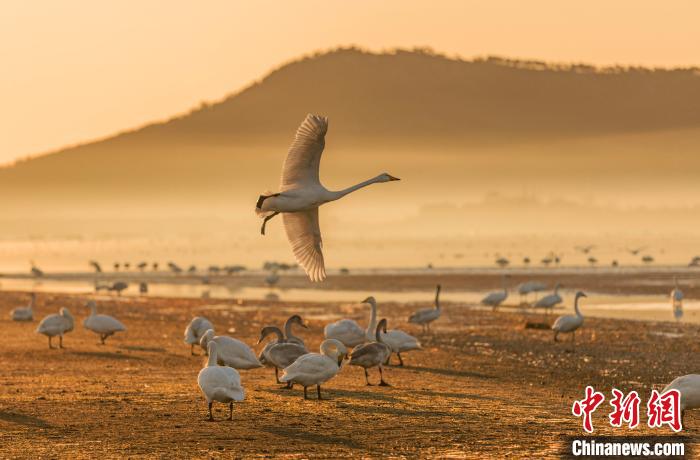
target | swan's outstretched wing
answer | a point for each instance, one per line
(304, 156)
(304, 234)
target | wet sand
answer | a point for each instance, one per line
(484, 386)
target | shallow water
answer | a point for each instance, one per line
(637, 307)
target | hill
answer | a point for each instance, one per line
(452, 125)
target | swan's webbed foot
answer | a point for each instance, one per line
(384, 384)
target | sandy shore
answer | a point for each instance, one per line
(485, 386)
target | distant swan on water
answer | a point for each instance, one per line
(301, 193)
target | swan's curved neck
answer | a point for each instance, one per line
(341, 193)
(372, 326)
(277, 332)
(578, 312)
(288, 330)
(328, 349)
(377, 334)
(437, 298)
(212, 357)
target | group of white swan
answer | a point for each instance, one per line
(371, 347)
(61, 323)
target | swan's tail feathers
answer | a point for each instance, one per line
(259, 205)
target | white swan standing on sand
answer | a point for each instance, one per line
(104, 325)
(496, 298)
(373, 354)
(219, 383)
(399, 342)
(195, 330)
(56, 325)
(301, 193)
(548, 302)
(569, 323)
(231, 352)
(677, 300)
(316, 368)
(427, 315)
(689, 386)
(348, 332)
(24, 313)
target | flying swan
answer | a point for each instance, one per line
(301, 193)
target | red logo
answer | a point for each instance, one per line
(625, 410)
(665, 409)
(586, 406)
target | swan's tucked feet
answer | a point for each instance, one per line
(230, 410)
(262, 229)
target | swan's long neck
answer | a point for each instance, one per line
(377, 334)
(372, 326)
(578, 312)
(437, 298)
(288, 330)
(341, 193)
(212, 357)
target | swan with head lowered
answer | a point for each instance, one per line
(24, 313)
(301, 193)
(231, 352)
(219, 383)
(427, 315)
(56, 325)
(279, 353)
(316, 368)
(569, 323)
(349, 333)
(689, 387)
(399, 342)
(103, 325)
(373, 354)
(195, 330)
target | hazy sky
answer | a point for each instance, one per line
(76, 70)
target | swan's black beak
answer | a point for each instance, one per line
(392, 177)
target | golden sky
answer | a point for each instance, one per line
(79, 69)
